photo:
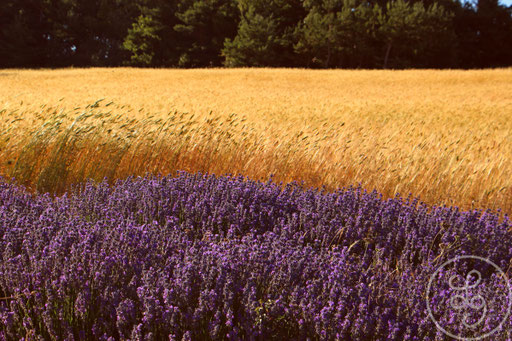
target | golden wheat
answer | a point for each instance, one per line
(445, 136)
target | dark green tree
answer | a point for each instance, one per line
(319, 32)
(265, 34)
(203, 26)
(484, 34)
(436, 39)
(310, 33)
(91, 32)
(143, 40)
(415, 36)
(151, 39)
(338, 33)
(24, 33)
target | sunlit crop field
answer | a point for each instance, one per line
(444, 136)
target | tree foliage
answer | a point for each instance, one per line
(416, 36)
(338, 33)
(291, 33)
(265, 33)
(203, 26)
(142, 40)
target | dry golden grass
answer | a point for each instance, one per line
(445, 136)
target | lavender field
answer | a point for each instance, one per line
(199, 257)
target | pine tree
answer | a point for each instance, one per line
(339, 33)
(415, 36)
(203, 26)
(265, 34)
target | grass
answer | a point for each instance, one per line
(445, 136)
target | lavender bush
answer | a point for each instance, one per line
(204, 257)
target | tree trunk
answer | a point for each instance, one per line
(386, 58)
(327, 60)
(328, 47)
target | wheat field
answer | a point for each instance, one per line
(443, 136)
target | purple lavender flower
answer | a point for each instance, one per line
(206, 257)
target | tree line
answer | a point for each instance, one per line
(277, 33)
